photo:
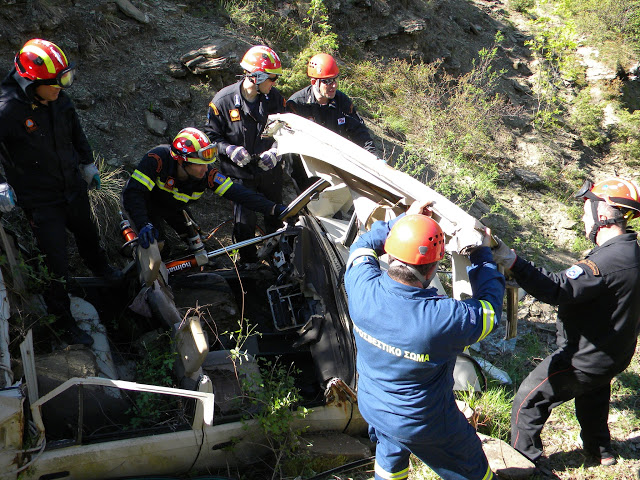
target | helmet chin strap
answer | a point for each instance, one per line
(421, 278)
(597, 223)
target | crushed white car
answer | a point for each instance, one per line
(302, 318)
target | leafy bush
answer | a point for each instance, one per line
(522, 5)
(627, 137)
(586, 118)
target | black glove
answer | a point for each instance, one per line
(279, 209)
(147, 235)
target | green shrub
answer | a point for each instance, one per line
(522, 5)
(626, 136)
(587, 118)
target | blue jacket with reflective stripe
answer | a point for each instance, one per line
(408, 338)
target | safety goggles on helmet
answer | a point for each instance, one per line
(64, 78)
(193, 146)
(263, 77)
(207, 153)
(584, 192)
(328, 81)
(204, 155)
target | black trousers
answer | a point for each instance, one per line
(553, 382)
(269, 184)
(49, 225)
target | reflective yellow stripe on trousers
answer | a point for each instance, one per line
(382, 473)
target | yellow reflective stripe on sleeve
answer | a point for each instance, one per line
(361, 252)
(183, 197)
(226, 185)
(382, 473)
(488, 475)
(488, 318)
(143, 179)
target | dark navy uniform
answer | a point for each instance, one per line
(598, 323)
(339, 116)
(231, 120)
(154, 192)
(42, 147)
(408, 339)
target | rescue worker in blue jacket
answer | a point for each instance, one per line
(598, 322)
(323, 103)
(408, 338)
(169, 177)
(236, 120)
(49, 165)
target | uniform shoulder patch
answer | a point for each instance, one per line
(216, 112)
(234, 115)
(215, 178)
(158, 161)
(574, 272)
(591, 265)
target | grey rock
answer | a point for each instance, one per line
(209, 59)
(155, 124)
(412, 26)
(521, 88)
(528, 178)
(176, 70)
(131, 11)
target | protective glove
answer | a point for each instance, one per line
(147, 235)
(7, 197)
(238, 155)
(268, 159)
(503, 255)
(278, 209)
(91, 175)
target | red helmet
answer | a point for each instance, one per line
(322, 65)
(193, 146)
(44, 63)
(261, 59)
(416, 240)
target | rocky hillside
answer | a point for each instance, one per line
(148, 68)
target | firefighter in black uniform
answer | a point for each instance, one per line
(323, 103)
(169, 177)
(49, 164)
(236, 119)
(598, 302)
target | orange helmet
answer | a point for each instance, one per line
(261, 59)
(322, 65)
(44, 63)
(193, 146)
(620, 193)
(416, 240)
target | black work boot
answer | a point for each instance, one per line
(602, 455)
